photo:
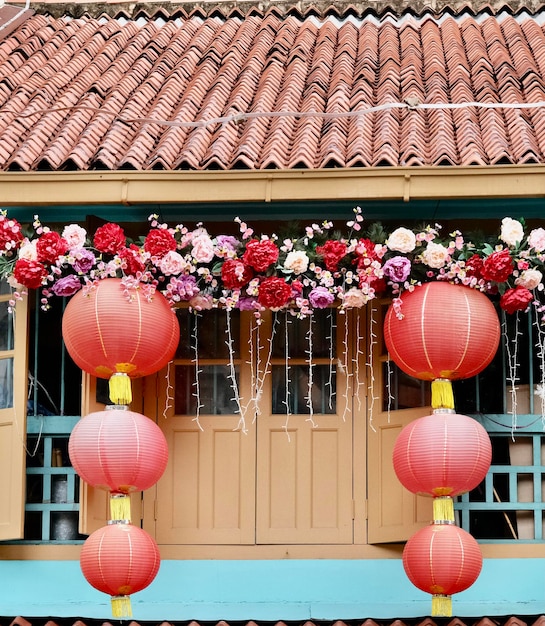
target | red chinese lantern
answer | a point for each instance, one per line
(444, 454)
(117, 333)
(119, 451)
(442, 559)
(120, 559)
(446, 332)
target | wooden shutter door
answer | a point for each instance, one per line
(13, 386)
(394, 512)
(207, 494)
(95, 503)
(304, 472)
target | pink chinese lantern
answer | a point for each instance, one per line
(442, 559)
(442, 455)
(117, 333)
(119, 451)
(120, 559)
(446, 332)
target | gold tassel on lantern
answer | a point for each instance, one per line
(121, 606)
(441, 605)
(442, 396)
(120, 388)
(443, 509)
(120, 507)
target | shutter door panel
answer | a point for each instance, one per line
(14, 369)
(206, 495)
(304, 480)
(394, 512)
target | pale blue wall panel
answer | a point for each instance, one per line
(270, 590)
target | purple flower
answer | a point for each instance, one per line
(66, 286)
(247, 303)
(227, 242)
(83, 260)
(320, 297)
(397, 269)
(183, 288)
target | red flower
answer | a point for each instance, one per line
(50, 246)
(29, 273)
(498, 266)
(516, 299)
(235, 274)
(260, 254)
(109, 238)
(159, 241)
(474, 266)
(131, 260)
(365, 249)
(274, 293)
(332, 252)
(11, 235)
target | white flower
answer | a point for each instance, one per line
(435, 255)
(75, 236)
(28, 250)
(355, 298)
(536, 239)
(529, 279)
(297, 261)
(402, 240)
(511, 231)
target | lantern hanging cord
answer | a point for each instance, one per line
(411, 104)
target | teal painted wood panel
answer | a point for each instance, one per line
(270, 590)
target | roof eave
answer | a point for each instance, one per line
(395, 183)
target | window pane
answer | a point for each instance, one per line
(297, 398)
(211, 332)
(214, 390)
(5, 289)
(402, 391)
(6, 383)
(6, 327)
(322, 323)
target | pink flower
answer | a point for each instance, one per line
(172, 263)
(354, 298)
(74, 235)
(203, 248)
(66, 286)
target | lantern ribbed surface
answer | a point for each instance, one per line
(119, 559)
(444, 454)
(447, 331)
(118, 450)
(108, 331)
(442, 559)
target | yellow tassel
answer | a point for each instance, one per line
(120, 389)
(442, 396)
(441, 606)
(120, 507)
(443, 509)
(121, 606)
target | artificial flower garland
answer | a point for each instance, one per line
(314, 269)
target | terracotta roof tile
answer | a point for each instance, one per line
(270, 91)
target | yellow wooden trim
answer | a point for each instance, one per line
(394, 183)
(237, 552)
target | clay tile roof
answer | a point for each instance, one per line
(426, 621)
(270, 90)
